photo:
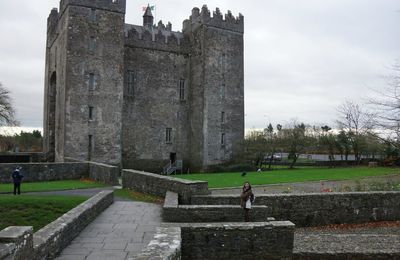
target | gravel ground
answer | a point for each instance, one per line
(370, 238)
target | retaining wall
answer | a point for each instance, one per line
(53, 238)
(159, 184)
(261, 240)
(316, 209)
(166, 244)
(104, 173)
(16, 243)
(174, 212)
(35, 172)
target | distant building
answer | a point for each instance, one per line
(141, 96)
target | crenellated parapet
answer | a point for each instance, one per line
(159, 37)
(118, 6)
(203, 17)
(52, 24)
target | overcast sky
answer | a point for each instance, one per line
(302, 58)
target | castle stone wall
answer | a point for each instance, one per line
(94, 47)
(154, 106)
(91, 114)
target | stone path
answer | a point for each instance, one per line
(312, 186)
(120, 232)
(77, 192)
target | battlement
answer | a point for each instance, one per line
(227, 22)
(159, 37)
(52, 24)
(118, 6)
(52, 20)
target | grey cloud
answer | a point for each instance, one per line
(302, 58)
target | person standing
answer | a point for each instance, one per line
(17, 179)
(246, 199)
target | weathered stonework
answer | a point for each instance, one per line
(124, 85)
(16, 243)
(317, 209)
(158, 184)
(166, 245)
(230, 240)
(37, 172)
(53, 238)
(174, 212)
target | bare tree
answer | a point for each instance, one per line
(387, 105)
(7, 112)
(356, 122)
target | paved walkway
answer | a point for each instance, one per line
(120, 232)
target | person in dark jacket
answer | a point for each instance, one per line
(246, 199)
(17, 179)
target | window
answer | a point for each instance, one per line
(91, 113)
(90, 147)
(223, 139)
(92, 44)
(92, 15)
(222, 91)
(222, 117)
(92, 81)
(182, 90)
(131, 83)
(168, 135)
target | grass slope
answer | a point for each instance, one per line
(52, 185)
(138, 196)
(220, 180)
(36, 211)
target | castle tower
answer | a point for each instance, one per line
(84, 71)
(217, 86)
(148, 19)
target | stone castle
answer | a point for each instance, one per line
(142, 96)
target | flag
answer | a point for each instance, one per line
(152, 8)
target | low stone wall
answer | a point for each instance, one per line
(173, 212)
(166, 244)
(16, 243)
(159, 184)
(104, 173)
(260, 240)
(318, 209)
(34, 172)
(256, 240)
(53, 238)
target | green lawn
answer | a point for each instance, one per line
(52, 185)
(36, 211)
(220, 180)
(138, 196)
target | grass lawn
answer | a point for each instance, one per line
(52, 185)
(138, 196)
(36, 211)
(234, 179)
